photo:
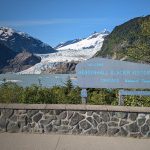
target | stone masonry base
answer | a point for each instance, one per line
(76, 119)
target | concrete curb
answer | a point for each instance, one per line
(76, 107)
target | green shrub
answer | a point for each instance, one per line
(37, 94)
(10, 92)
(137, 101)
(102, 97)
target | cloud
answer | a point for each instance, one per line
(51, 22)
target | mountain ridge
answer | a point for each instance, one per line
(62, 44)
(19, 41)
(92, 41)
(129, 41)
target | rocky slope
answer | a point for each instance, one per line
(19, 41)
(5, 55)
(62, 68)
(129, 41)
(20, 62)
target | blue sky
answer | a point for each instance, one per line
(54, 21)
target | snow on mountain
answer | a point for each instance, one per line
(5, 33)
(75, 50)
(94, 41)
(19, 41)
(62, 44)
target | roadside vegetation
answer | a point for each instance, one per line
(67, 94)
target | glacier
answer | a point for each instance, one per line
(77, 51)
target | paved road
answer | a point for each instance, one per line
(20, 141)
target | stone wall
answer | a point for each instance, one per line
(76, 119)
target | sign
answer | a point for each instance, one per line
(108, 73)
(132, 93)
(140, 93)
(83, 93)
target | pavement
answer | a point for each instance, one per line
(21, 141)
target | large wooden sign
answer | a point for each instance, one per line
(108, 73)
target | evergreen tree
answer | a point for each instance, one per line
(68, 85)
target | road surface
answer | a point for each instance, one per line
(20, 141)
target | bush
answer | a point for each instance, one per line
(37, 94)
(63, 96)
(137, 101)
(10, 92)
(102, 97)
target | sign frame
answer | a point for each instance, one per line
(108, 73)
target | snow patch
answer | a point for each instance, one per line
(6, 32)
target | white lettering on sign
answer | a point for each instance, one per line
(108, 73)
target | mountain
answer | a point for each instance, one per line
(20, 62)
(11, 61)
(67, 43)
(129, 41)
(19, 41)
(17, 50)
(94, 42)
(5, 55)
(69, 54)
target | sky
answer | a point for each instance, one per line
(55, 21)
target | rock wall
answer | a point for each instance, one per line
(76, 119)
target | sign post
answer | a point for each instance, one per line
(121, 99)
(84, 96)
